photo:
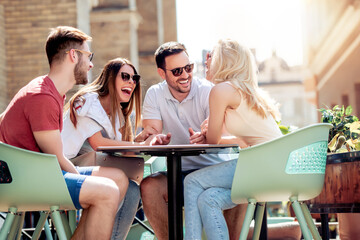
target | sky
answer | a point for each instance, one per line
(265, 25)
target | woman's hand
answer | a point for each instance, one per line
(204, 126)
(159, 139)
(144, 134)
(196, 137)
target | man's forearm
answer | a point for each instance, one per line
(67, 165)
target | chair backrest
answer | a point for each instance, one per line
(36, 182)
(154, 164)
(291, 165)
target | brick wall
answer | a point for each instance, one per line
(3, 93)
(111, 37)
(148, 37)
(27, 25)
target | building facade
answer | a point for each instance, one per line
(285, 84)
(120, 28)
(332, 52)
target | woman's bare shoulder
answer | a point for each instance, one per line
(225, 91)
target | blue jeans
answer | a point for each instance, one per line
(207, 192)
(125, 216)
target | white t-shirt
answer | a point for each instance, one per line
(91, 118)
(178, 117)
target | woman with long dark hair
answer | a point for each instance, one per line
(103, 113)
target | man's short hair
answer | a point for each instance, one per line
(62, 39)
(168, 49)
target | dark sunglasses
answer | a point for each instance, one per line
(126, 77)
(178, 71)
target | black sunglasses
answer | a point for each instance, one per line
(178, 71)
(126, 77)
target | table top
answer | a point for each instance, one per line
(183, 148)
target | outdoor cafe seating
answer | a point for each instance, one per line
(291, 167)
(31, 181)
(279, 170)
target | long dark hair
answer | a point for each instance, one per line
(105, 85)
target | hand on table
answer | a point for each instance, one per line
(145, 134)
(204, 126)
(160, 139)
(196, 137)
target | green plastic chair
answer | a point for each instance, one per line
(291, 167)
(153, 165)
(35, 183)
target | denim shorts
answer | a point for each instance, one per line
(75, 181)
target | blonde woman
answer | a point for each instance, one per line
(248, 114)
(100, 114)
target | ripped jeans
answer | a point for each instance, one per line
(207, 192)
(125, 216)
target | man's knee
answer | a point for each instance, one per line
(155, 182)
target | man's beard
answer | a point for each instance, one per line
(80, 76)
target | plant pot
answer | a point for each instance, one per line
(341, 191)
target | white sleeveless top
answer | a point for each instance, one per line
(246, 123)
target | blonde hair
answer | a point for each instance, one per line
(235, 63)
(105, 85)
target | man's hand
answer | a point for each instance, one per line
(196, 137)
(161, 139)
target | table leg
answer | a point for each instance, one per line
(263, 231)
(325, 232)
(175, 194)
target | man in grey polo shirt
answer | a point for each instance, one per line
(177, 105)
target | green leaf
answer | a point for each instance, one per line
(348, 110)
(342, 110)
(354, 143)
(357, 146)
(355, 127)
(336, 107)
(332, 143)
(284, 130)
(340, 142)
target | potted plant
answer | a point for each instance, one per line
(345, 135)
(340, 193)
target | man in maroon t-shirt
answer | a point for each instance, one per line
(33, 121)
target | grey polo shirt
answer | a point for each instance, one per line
(177, 117)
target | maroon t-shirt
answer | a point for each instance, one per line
(36, 107)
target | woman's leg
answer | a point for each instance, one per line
(219, 175)
(211, 204)
(126, 213)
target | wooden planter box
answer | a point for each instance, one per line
(341, 191)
